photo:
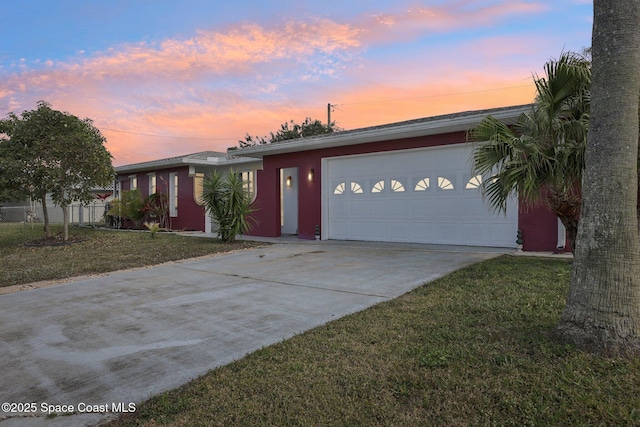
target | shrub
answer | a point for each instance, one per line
(228, 204)
(129, 206)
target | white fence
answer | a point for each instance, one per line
(91, 214)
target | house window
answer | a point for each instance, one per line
(248, 183)
(198, 188)
(152, 184)
(133, 182)
(173, 194)
(340, 188)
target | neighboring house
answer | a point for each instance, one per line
(181, 179)
(402, 182)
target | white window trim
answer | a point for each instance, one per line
(152, 183)
(173, 194)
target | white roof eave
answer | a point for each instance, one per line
(182, 162)
(378, 134)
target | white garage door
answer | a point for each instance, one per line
(424, 195)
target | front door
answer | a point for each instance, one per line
(289, 200)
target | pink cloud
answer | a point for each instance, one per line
(177, 96)
(215, 53)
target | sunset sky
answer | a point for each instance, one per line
(162, 78)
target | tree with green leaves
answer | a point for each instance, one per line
(603, 305)
(291, 130)
(229, 205)
(52, 152)
(541, 158)
(9, 190)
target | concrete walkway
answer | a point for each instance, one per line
(102, 343)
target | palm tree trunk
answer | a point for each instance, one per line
(571, 226)
(603, 306)
(566, 204)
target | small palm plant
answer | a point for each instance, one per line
(542, 157)
(226, 200)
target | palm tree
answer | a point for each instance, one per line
(228, 204)
(542, 156)
(603, 305)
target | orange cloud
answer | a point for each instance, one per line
(176, 96)
(376, 104)
(216, 53)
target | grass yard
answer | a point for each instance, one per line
(469, 349)
(103, 251)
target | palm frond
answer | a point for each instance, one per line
(545, 148)
(228, 204)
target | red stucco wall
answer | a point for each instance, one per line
(539, 226)
(190, 214)
(268, 196)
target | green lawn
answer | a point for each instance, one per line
(472, 348)
(103, 251)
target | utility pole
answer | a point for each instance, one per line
(329, 106)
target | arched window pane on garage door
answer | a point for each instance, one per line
(378, 187)
(339, 188)
(474, 182)
(444, 183)
(396, 186)
(422, 185)
(356, 188)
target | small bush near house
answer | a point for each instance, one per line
(130, 206)
(133, 211)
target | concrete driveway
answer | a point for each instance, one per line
(103, 343)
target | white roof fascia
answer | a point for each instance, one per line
(403, 130)
(164, 164)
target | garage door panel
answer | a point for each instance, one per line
(432, 215)
(357, 208)
(339, 208)
(376, 208)
(377, 231)
(420, 208)
(400, 231)
(425, 230)
(357, 231)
